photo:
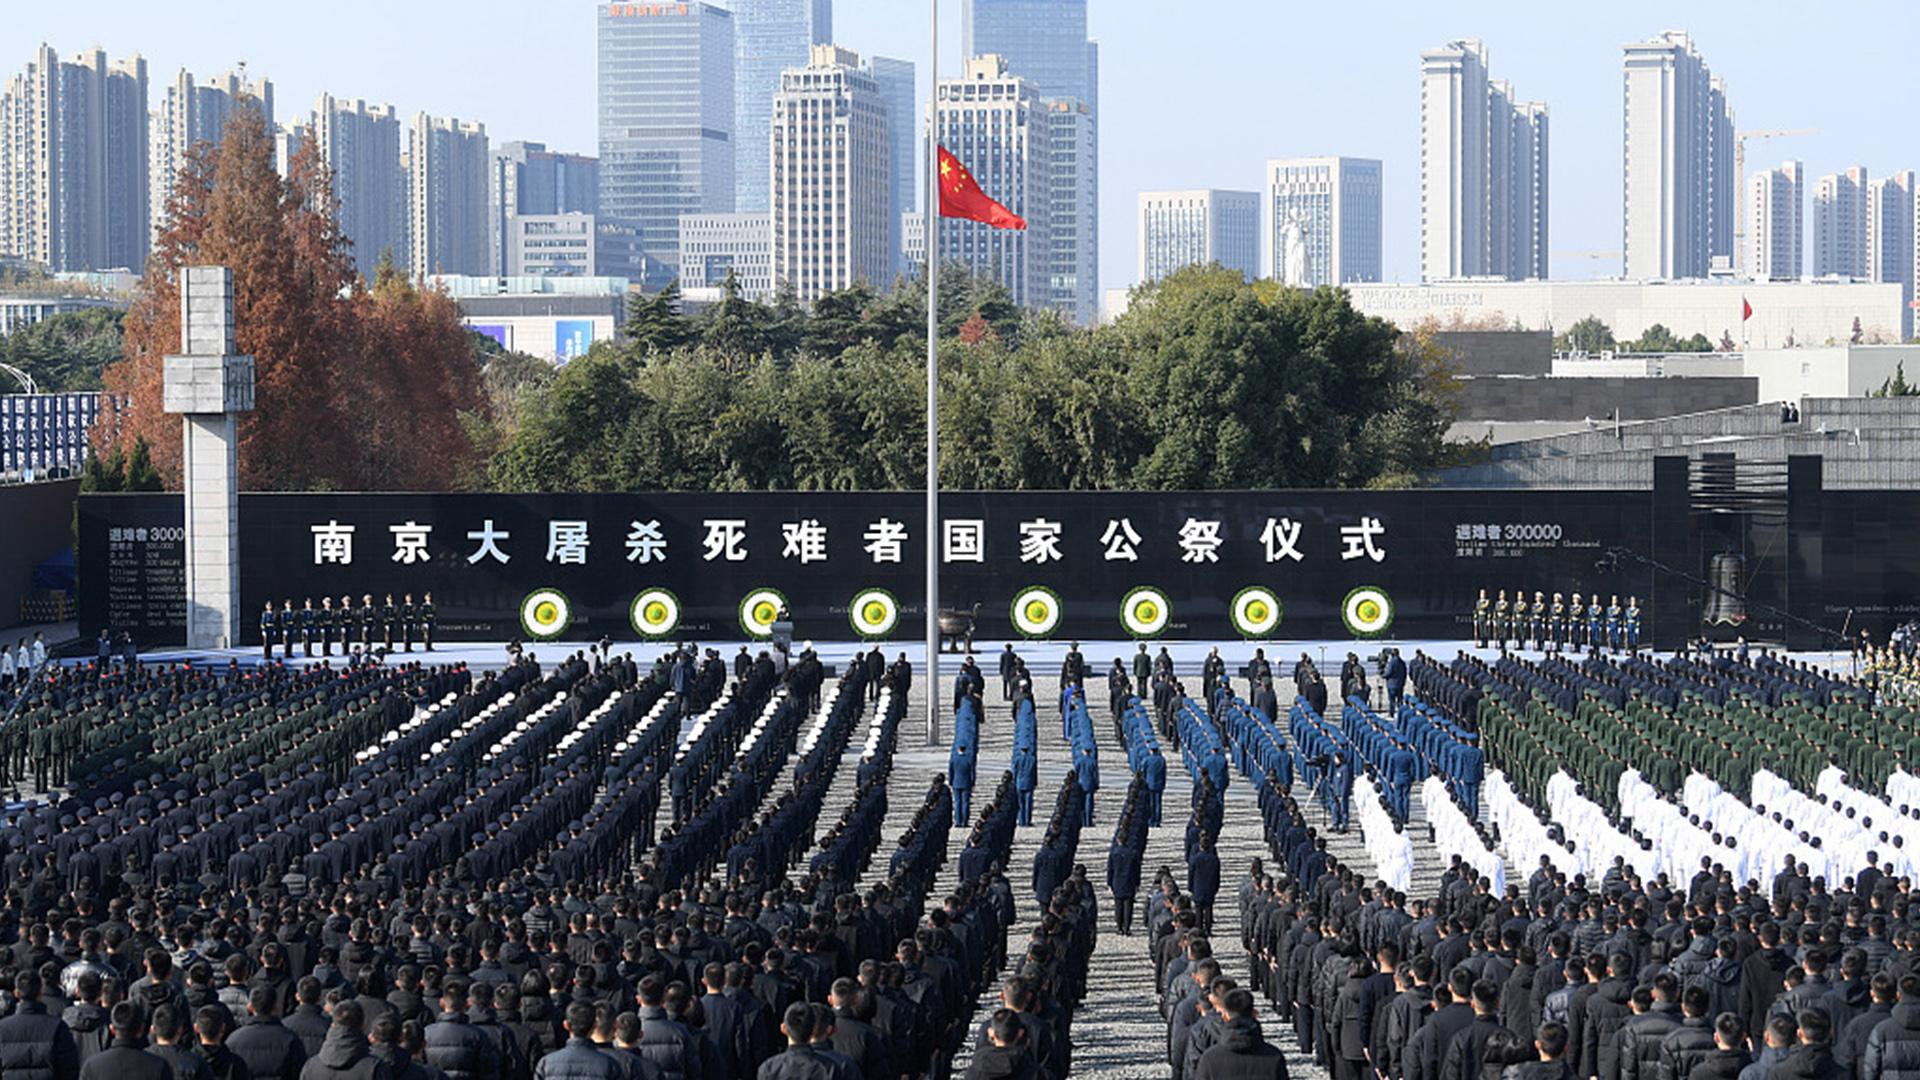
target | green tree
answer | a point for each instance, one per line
(655, 323)
(1898, 385)
(1587, 335)
(67, 351)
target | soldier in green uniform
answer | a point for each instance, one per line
(289, 628)
(1520, 617)
(1482, 617)
(1557, 624)
(1502, 619)
(1613, 623)
(40, 751)
(1633, 624)
(1537, 624)
(426, 621)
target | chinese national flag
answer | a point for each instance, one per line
(961, 197)
(1746, 310)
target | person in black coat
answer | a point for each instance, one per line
(580, 1059)
(1241, 1053)
(457, 1047)
(269, 1049)
(800, 1061)
(1729, 1056)
(127, 1057)
(1693, 1041)
(1813, 1058)
(344, 1054)
(34, 1044)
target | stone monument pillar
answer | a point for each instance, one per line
(210, 386)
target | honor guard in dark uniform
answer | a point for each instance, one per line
(1613, 622)
(1595, 624)
(389, 622)
(325, 623)
(1537, 621)
(369, 616)
(1482, 619)
(426, 621)
(409, 619)
(1520, 617)
(309, 625)
(269, 624)
(1502, 619)
(289, 628)
(1632, 625)
(1576, 622)
(1557, 624)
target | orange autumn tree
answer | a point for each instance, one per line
(352, 391)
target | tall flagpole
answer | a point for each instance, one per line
(931, 227)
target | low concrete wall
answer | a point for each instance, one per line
(1578, 399)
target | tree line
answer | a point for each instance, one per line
(1206, 382)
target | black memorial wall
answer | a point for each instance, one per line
(482, 555)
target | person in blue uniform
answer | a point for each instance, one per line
(1340, 790)
(269, 626)
(1401, 766)
(1633, 623)
(1613, 623)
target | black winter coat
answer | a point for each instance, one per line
(1893, 1049)
(1721, 1065)
(126, 1059)
(579, 1059)
(461, 1050)
(344, 1056)
(1685, 1047)
(270, 1051)
(668, 1044)
(1241, 1054)
(35, 1045)
(1640, 1041)
(1809, 1063)
(796, 1063)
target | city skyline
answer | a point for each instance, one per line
(1154, 134)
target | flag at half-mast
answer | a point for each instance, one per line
(961, 197)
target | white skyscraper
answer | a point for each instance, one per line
(1840, 224)
(194, 113)
(360, 145)
(74, 162)
(1323, 216)
(1892, 219)
(447, 170)
(995, 123)
(1483, 171)
(1774, 223)
(1196, 227)
(1678, 192)
(832, 209)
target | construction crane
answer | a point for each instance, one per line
(1740, 180)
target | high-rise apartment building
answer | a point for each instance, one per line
(1893, 219)
(830, 181)
(1324, 213)
(906, 134)
(1775, 223)
(74, 163)
(1678, 184)
(360, 145)
(769, 36)
(1840, 224)
(996, 124)
(666, 104)
(1197, 227)
(1483, 171)
(526, 178)
(1044, 42)
(447, 172)
(194, 112)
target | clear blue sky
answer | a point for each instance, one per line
(1193, 94)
